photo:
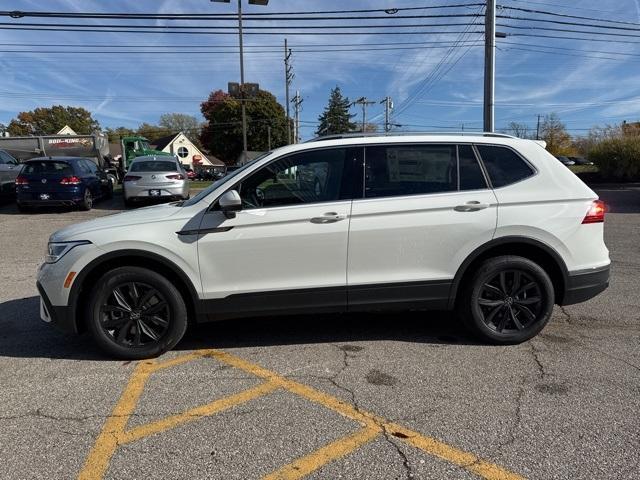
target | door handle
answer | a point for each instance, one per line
(330, 217)
(471, 207)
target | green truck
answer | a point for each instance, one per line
(133, 147)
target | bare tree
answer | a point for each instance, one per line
(519, 130)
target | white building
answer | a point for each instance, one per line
(187, 152)
(66, 130)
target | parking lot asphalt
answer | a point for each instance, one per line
(323, 397)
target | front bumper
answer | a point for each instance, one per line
(62, 317)
(586, 284)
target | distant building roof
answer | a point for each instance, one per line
(162, 142)
(66, 130)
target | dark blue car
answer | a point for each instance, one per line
(61, 181)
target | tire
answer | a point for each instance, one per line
(132, 334)
(508, 300)
(128, 203)
(86, 203)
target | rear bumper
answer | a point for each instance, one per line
(32, 199)
(177, 192)
(586, 284)
(62, 317)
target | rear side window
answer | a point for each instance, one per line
(47, 168)
(400, 170)
(154, 166)
(394, 171)
(503, 165)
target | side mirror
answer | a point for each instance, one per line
(230, 203)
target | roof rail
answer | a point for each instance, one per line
(398, 134)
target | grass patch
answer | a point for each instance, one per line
(583, 169)
(199, 185)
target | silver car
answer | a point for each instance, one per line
(9, 170)
(155, 178)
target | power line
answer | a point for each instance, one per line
(234, 28)
(565, 15)
(562, 22)
(551, 29)
(389, 11)
(93, 30)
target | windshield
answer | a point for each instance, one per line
(195, 199)
(153, 166)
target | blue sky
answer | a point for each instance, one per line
(573, 78)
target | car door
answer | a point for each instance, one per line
(9, 169)
(426, 207)
(287, 248)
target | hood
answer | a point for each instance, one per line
(134, 217)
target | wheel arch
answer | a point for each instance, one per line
(526, 247)
(90, 274)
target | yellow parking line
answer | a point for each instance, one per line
(98, 460)
(114, 433)
(428, 445)
(312, 462)
(439, 449)
(195, 413)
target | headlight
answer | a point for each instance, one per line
(57, 250)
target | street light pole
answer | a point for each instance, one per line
(242, 102)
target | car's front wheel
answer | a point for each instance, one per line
(508, 300)
(134, 313)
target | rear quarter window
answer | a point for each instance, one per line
(503, 165)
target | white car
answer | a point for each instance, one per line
(155, 178)
(489, 226)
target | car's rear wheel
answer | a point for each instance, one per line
(87, 201)
(508, 300)
(135, 313)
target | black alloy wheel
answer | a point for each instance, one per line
(136, 313)
(508, 300)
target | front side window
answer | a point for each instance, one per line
(6, 158)
(304, 178)
(503, 165)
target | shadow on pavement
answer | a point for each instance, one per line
(24, 335)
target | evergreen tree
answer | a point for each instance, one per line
(336, 117)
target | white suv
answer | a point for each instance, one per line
(490, 226)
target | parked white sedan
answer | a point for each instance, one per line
(155, 178)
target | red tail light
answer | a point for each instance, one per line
(596, 212)
(20, 180)
(70, 181)
(179, 176)
(131, 178)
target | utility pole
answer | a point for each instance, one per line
(288, 78)
(297, 103)
(269, 137)
(364, 101)
(489, 64)
(245, 147)
(538, 129)
(388, 106)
